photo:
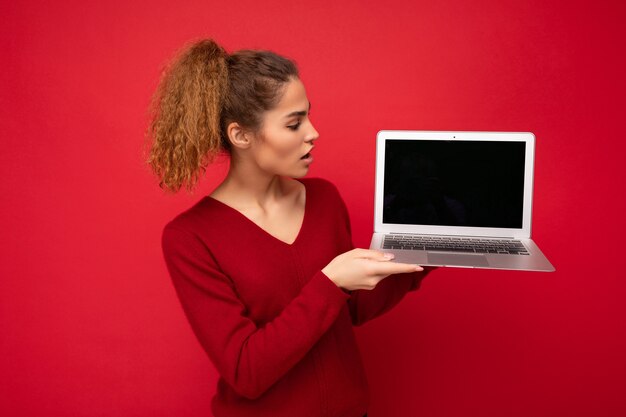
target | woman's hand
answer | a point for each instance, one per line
(363, 269)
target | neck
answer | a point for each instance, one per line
(247, 185)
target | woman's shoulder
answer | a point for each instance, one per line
(323, 195)
(203, 212)
(321, 185)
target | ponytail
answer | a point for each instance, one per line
(201, 92)
(186, 115)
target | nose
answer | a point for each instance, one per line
(312, 134)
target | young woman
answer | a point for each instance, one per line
(264, 266)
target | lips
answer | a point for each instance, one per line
(308, 154)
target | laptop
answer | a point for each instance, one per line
(456, 199)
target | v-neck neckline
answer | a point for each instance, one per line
(265, 232)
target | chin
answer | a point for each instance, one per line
(300, 173)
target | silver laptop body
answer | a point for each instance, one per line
(456, 199)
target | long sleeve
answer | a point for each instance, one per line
(249, 358)
(365, 305)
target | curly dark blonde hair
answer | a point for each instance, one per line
(201, 92)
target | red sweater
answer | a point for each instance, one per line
(278, 330)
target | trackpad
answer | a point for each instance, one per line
(438, 258)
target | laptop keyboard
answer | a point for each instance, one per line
(455, 244)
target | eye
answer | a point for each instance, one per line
(294, 127)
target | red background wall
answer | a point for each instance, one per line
(89, 322)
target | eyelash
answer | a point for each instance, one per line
(294, 127)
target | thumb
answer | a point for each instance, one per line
(375, 255)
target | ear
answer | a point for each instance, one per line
(238, 137)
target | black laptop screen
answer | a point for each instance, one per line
(454, 183)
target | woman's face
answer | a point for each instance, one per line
(286, 138)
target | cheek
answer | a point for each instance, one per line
(281, 146)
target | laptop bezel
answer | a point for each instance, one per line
(384, 135)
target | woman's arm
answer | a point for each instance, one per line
(250, 358)
(365, 305)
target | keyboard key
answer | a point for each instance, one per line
(454, 244)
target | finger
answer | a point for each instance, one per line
(362, 253)
(374, 255)
(397, 268)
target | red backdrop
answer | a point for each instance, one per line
(90, 324)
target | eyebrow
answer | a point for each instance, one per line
(298, 113)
